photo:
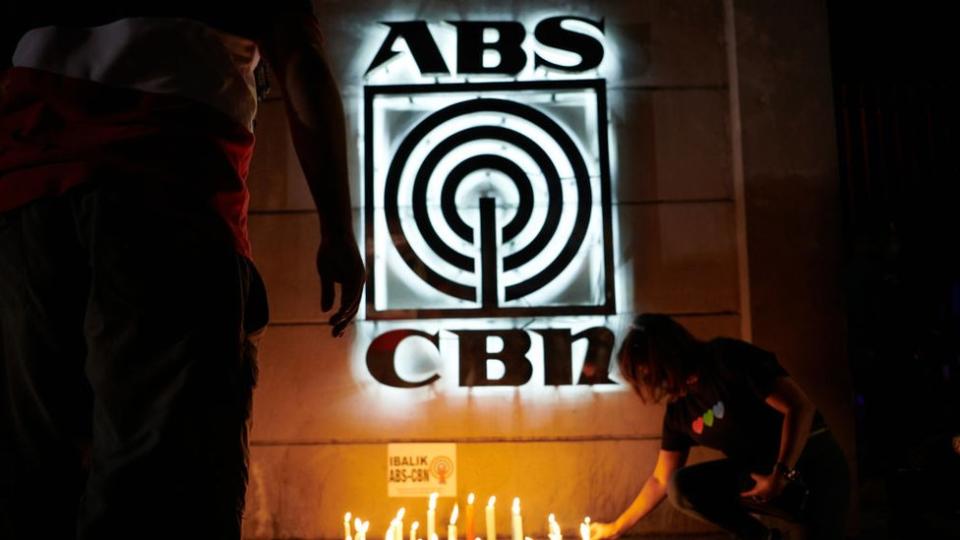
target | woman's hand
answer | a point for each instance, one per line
(599, 531)
(766, 487)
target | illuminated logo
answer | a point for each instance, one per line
(479, 41)
(441, 467)
(490, 198)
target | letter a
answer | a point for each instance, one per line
(421, 43)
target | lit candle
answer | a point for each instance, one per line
(432, 515)
(491, 519)
(357, 525)
(398, 535)
(517, 521)
(468, 518)
(346, 526)
(553, 528)
(413, 530)
(363, 531)
(585, 529)
(452, 527)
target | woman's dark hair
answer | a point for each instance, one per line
(658, 356)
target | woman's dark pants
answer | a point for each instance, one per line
(711, 491)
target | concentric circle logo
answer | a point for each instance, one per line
(441, 468)
(487, 203)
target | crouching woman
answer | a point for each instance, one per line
(725, 394)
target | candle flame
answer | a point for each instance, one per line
(516, 505)
(401, 512)
(357, 524)
(470, 498)
(346, 518)
(553, 526)
(454, 514)
(414, 526)
(366, 526)
(433, 500)
(492, 501)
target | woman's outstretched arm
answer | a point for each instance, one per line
(651, 494)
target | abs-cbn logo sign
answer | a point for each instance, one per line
(497, 47)
(490, 199)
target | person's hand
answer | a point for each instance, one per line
(340, 262)
(766, 487)
(599, 531)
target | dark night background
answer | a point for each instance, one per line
(898, 136)
(897, 133)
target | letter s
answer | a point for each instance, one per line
(551, 33)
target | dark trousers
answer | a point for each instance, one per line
(711, 491)
(126, 366)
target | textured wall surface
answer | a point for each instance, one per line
(792, 200)
(321, 425)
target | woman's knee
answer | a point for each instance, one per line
(702, 483)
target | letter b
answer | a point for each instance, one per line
(471, 46)
(474, 355)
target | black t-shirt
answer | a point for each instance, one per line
(726, 410)
(239, 17)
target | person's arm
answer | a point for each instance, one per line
(293, 45)
(798, 414)
(654, 490)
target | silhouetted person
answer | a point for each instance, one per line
(728, 395)
(128, 303)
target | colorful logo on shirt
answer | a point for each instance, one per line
(709, 418)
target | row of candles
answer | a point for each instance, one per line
(356, 529)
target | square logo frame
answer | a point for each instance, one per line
(489, 298)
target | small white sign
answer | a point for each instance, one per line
(417, 470)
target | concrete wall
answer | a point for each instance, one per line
(793, 200)
(321, 427)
